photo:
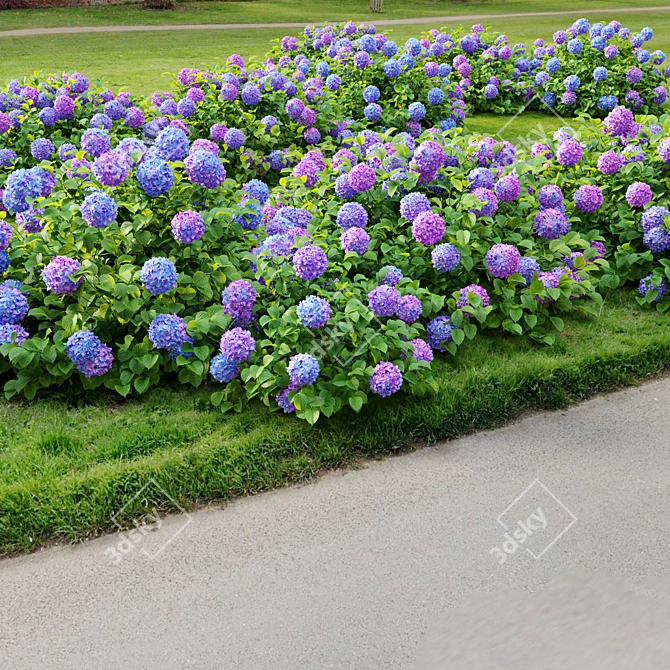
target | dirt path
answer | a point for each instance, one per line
(436, 20)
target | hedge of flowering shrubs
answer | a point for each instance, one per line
(203, 243)
(588, 69)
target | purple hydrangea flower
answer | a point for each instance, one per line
(310, 262)
(619, 121)
(303, 370)
(42, 149)
(569, 153)
(639, 194)
(409, 309)
(502, 260)
(234, 138)
(654, 217)
(238, 299)
(386, 379)
(550, 224)
(187, 226)
(361, 178)
(95, 141)
(489, 200)
(237, 345)
(384, 300)
(421, 350)
(158, 275)
(313, 312)
(481, 177)
(204, 168)
(56, 275)
(508, 188)
(475, 290)
(111, 168)
(609, 162)
(12, 333)
(657, 240)
(412, 205)
(428, 228)
(588, 198)
(355, 240)
(550, 196)
(5, 234)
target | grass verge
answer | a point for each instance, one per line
(68, 465)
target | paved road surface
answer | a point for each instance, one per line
(373, 568)
(433, 20)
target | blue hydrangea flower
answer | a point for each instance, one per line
(82, 346)
(445, 257)
(223, 369)
(303, 369)
(352, 215)
(12, 333)
(168, 331)
(390, 275)
(438, 332)
(412, 205)
(159, 275)
(648, 284)
(313, 311)
(155, 176)
(171, 144)
(99, 209)
(600, 73)
(416, 111)
(527, 267)
(95, 142)
(435, 96)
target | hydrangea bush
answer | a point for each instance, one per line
(309, 273)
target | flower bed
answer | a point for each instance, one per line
(261, 228)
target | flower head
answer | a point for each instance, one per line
(386, 379)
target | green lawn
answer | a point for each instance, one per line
(68, 464)
(146, 57)
(288, 11)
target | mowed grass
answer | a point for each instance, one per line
(68, 464)
(292, 11)
(139, 61)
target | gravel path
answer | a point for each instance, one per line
(436, 20)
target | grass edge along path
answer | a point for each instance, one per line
(624, 346)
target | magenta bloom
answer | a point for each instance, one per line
(472, 290)
(588, 198)
(569, 153)
(187, 226)
(639, 194)
(386, 379)
(362, 178)
(310, 262)
(384, 300)
(428, 228)
(502, 260)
